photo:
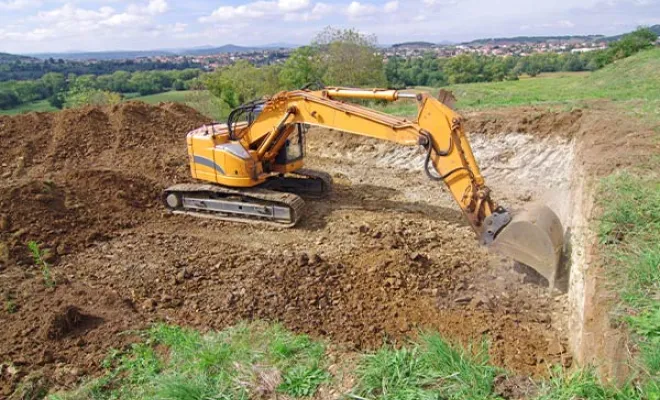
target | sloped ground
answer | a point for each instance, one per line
(386, 255)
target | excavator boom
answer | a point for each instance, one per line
(259, 153)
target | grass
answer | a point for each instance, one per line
(261, 360)
(172, 96)
(245, 361)
(430, 369)
(629, 233)
(38, 256)
(37, 106)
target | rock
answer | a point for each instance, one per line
(4, 223)
(4, 253)
(62, 249)
(364, 228)
(315, 259)
(149, 304)
(303, 260)
(463, 299)
(555, 347)
(181, 276)
(481, 301)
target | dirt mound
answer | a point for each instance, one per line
(130, 136)
(72, 211)
(77, 176)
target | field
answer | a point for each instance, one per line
(380, 292)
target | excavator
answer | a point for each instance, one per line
(250, 169)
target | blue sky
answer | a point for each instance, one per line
(28, 26)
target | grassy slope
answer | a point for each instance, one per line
(173, 96)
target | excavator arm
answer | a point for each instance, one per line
(437, 128)
(246, 155)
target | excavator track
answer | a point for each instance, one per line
(249, 205)
(303, 182)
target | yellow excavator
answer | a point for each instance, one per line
(251, 168)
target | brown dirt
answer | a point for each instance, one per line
(382, 258)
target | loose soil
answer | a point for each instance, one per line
(386, 255)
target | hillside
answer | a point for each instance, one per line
(636, 78)
(121, 55)
(654, 28)
(7, 58)
(534, 39)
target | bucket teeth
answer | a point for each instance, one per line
(535, 238)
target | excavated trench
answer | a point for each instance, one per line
(522, 169)
(386, 255)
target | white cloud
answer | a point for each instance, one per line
(391, 6)
(320, 10)
(292, 5)
(357, 10)
(257, 9)
(157, 7)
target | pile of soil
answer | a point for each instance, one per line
(387, 255)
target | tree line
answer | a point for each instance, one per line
(72, 90)
(29, 69)
(429, 70)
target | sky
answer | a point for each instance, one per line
(32, 26)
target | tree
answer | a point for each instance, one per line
(54, 82)
(238, 83)
(640, 39)
(95, 97)
(8, 99)
(302, 67)
(350, 58)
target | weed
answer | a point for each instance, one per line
(217, 365)
(10, 306)
(584, 384)
(38, 257)
(301, 380)
(430, 369)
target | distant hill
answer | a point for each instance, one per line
(103, 55)
(122, 55)
(654, 28)
(413, 44)
(534, 39)
(228, 48)
(7, 58)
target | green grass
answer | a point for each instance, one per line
(181, 96)
(37, 106)
(629, 233)
(242, 362)
(38, 257)
(430, 369)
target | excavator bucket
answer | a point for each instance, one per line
(535, 238)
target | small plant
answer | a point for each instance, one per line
(38, 257)
(10, 306)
